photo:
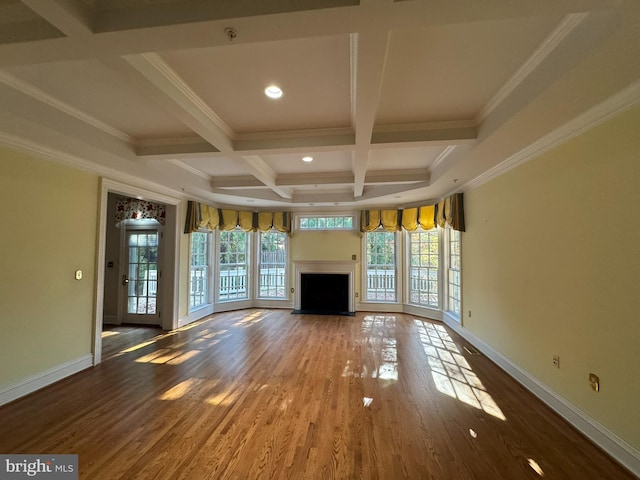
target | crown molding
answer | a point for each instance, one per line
(611, 107)
(548, 45)
(41, 96)
(189, 168)
(73, 161)
(441, 158)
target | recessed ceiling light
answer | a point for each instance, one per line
(307, 159)
(273, 91)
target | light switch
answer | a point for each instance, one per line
(78, 274)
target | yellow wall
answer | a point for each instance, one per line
(49, 224)
(327, 246)
(551, 265)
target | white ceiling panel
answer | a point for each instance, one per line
(451, 72)
(313, 74)
(292, 163)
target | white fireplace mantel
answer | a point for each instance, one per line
(322, 266)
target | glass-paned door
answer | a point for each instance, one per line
(141, 277)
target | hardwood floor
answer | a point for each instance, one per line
(266, 394)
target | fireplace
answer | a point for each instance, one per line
(324, 287)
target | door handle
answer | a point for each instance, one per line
(125, 280)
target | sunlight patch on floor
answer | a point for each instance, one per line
(224, 398)
(450, 370)
(535, 467)
(376, 331)
(179, 390)
(249, 320)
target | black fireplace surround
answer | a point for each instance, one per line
(324, 294)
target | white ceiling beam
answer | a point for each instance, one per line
(236, 181)
(187, 11)
(329, 198)
(74, 18)
(205, 32)
(263, 172)
(196, 114)
(369, 53)
(283, 141)
(420, 175)
(259, 194)
(173, 91)
(329, 178)
(442, 133)
(175, 148)
(381, 191)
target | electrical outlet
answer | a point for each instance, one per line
(556, 361)
(594, 380)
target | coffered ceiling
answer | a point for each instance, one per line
(397, 102)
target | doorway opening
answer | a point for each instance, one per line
(138, 249)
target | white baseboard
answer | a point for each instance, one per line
(379, 307)
(423, 312)
(282, 304)
(616, 447)
(43, 379)
(195, 315)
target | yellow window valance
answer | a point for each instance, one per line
(449, 211)
(200, 215)
(412, 218)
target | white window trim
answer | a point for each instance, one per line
(256, 268)
(441, 276)
(298, 216)
(398, 271)
(211, 274)
(249, 273)
(446, 264)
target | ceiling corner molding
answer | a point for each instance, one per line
(157, 62)
(548, 45)
(609, 108)
(46, 152)
(41, 96)
(441, 158)
(189, 169)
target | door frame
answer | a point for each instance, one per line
(171, 282)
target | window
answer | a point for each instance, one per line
(233, 270)
(340, 222)
(424, 276)
(272, 265)
(199, 271)
(381, 266)
(454, 284)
